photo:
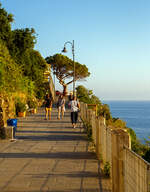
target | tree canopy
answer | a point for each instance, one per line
(63, 68)
(10, 74)
(21, 67)
(88, 97)
(21, 41)
(5, 23)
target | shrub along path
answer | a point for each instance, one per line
(49, 155)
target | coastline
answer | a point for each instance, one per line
(136, 114)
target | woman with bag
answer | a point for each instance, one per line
(75, 107)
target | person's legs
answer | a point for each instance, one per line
(50, 109)
(59, 110)
(62, 112)
(72, 119)
(46, 113)
(76, 117)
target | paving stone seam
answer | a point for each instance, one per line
(81, 184)
(49, 175)
(14, 176)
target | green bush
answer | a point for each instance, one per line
(2, 133)
(147, 155)
(141, 149)
(32, 104)
(89, 131)
(107, 169)
(20, 106)
(2, 129)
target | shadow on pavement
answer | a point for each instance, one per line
(51, 155)
(53, 137)
(59, 132)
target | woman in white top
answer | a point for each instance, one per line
(75, 106)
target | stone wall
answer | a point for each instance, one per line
(7, 110)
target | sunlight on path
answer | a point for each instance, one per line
(49, 155)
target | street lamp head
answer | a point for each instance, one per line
(64, 50)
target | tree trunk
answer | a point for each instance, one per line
(65, 91)
(65, 85)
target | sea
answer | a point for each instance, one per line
(136, 114)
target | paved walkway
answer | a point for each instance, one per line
(49, 155)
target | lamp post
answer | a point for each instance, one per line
(65, 50)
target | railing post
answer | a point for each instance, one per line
(102, 138)
(93, 123)
(119, 139)
(98, 146)
(89, 115)
(85, 112)
(81, 109)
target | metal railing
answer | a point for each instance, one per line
(130, 173)
(135, 172)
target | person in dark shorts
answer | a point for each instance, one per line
(48, 106)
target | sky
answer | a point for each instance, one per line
(111, 37)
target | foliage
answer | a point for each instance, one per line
(2, 129)
(88, 128)
(21, 41)
(104, 111)
(89, 132)
(83, 94)
(139, 148)
(63, 68)
(107, 169)
(116, 123)
(147, 141)
(10, 73)
(32, 102)
(21, 67)
(5, 23)
(87, 96)
(2, 133)
(37, 67)
(20, 106)
(32, 63)
(146, 156)
(34, 68)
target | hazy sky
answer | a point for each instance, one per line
(112, 37)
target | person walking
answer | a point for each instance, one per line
(61, 106)
(70, 97)
(75, 107)
(48, 106)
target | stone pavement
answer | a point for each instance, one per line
(49, 155)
